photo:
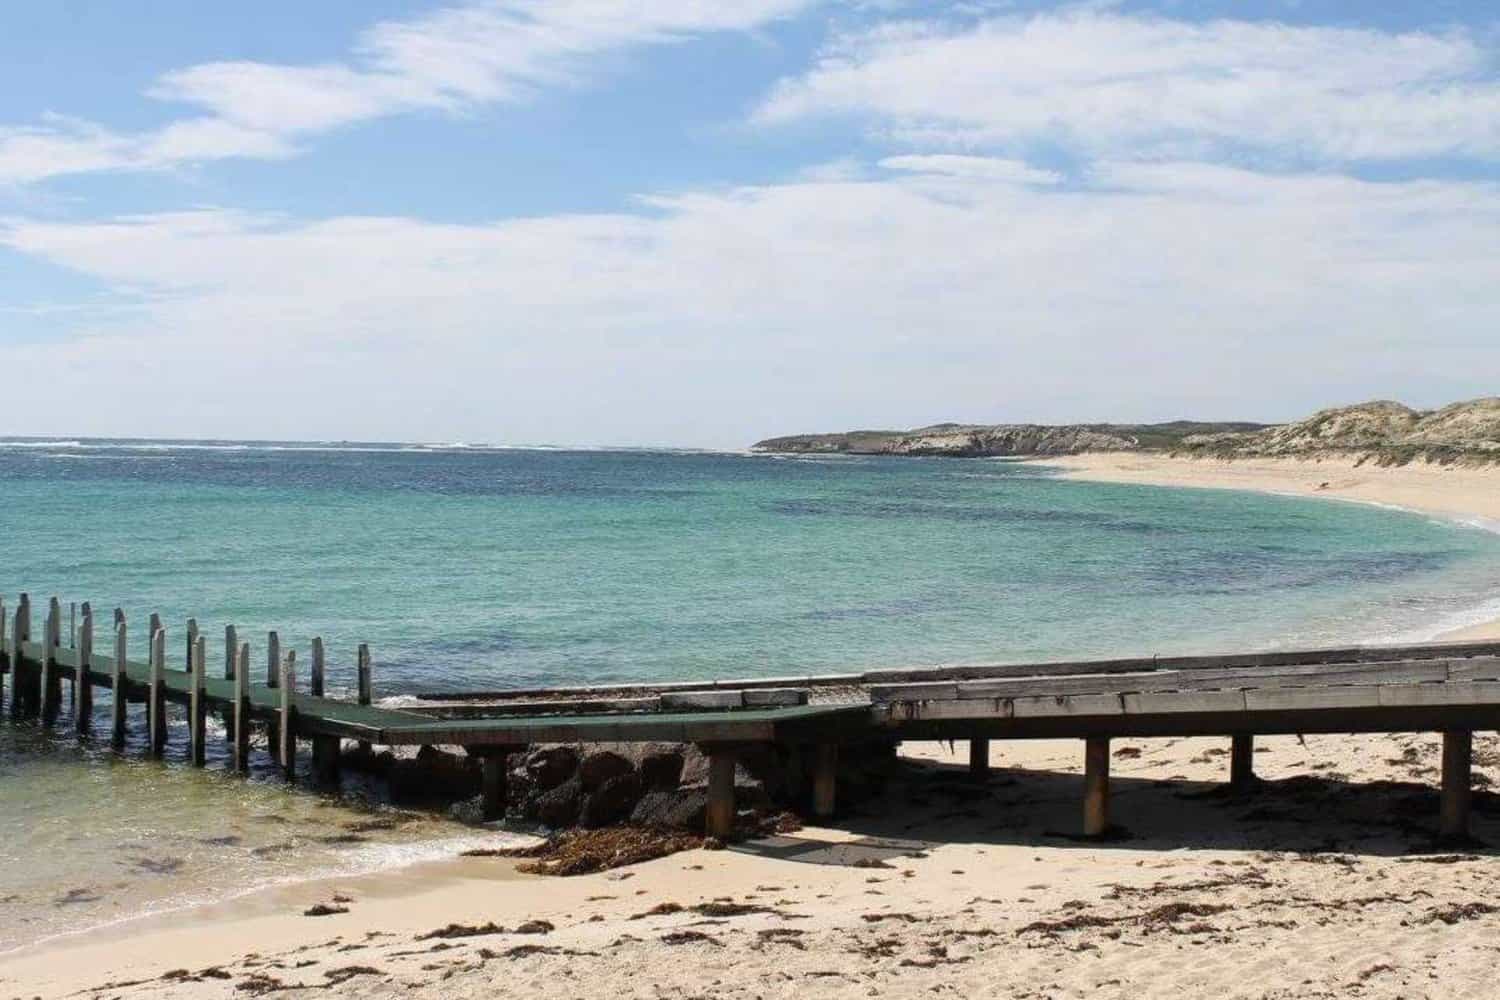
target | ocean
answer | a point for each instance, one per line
(484, 568)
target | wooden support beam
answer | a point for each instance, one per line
(51, 679)
(273, 680)
(1096, 786)
(231, 649)
(1242, 761)
(83, 682)
(494, 786)
(287, 724)
(1458, 760)
(365, 681)
(325, 749)
(156, 696)
(720, 792)
(979, 759)
(825, 779)
(198, 702)
(22, 677)
(242, 709)
(118, 684)
(5, 651)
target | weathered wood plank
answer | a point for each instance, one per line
(1095, 787)
(674, 701)
(774, 697)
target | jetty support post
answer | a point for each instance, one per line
(242, 709)
(1242, 762)
(493, 760)
(979, 759)
(10, 661)
(51, 679)
(287, 723)
(192, 641)
(20, 699)
(231, 648)
(1458, 760)
(825, 779)
(273, 681)
(118, 700)
(721, 812)
(156, 697)
(83, 683)
(325, 749)
(1096, 786)
(198, 702)
(366, 684)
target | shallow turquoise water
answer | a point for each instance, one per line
(491, 569)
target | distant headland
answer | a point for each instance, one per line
(1385, 432)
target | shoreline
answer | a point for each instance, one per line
(1466, 494)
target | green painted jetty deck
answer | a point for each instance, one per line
(319, 716)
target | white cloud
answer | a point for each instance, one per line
(453, 59)
(1117, 85)
(917, 294)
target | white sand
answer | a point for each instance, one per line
(1311, 887)
(969, 869)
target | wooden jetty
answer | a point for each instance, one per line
(1452, 688)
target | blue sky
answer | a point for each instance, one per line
(682, 222)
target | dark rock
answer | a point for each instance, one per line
(661, 770)
(680, 809)
(611, 801)
(551, 766)
(599, 766)
(559, 807)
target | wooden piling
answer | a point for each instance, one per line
(273, 681)
(231, 647)
(979, 759)
(325, 749)
(156, 696)
(51, 680)
(1458, 761)
(10, 661)
(192, 642)
(242, 709)
(83, 683)
(198, 702)
(118, 700)
(1096, 786)
(825, 779)
(720, 792)
(21, 677)
(493, 786)
(1242, 762)
(286, 728)
(365, 682)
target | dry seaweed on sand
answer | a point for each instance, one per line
(581, 852)
(463, 931)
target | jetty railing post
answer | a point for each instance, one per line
(156, 697)
(273, 681)
(20, 700)
(979, 759)
(288, 726)
(366, 683)
(192, 641)
(1242, 762)
(198, 703)
(325, 749)
(10, 663)
(825, 779)
(242, 709)
(231, 647)
(51, 679)
(1096, 786)
(73, 624)
(118, 684)
(83, 684)
(720, 813)
(1458, 760)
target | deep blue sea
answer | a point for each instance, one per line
(484, 568)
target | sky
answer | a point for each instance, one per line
(700, 223)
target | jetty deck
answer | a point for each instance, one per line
(1452, 688)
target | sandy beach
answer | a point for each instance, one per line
(1325, 881)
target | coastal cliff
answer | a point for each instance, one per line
(1386, 432)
